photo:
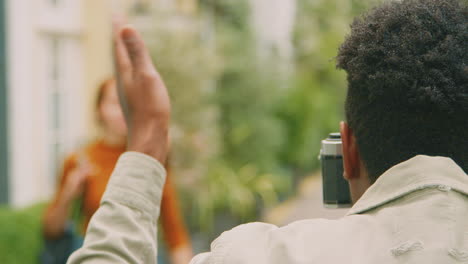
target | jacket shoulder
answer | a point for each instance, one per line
(298, 242)
(260, 243)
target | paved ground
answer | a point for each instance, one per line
(305, 205)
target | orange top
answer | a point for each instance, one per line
(102, 159)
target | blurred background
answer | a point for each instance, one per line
(254, 90)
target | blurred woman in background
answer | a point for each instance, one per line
(86, 173)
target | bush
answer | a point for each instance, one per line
(20, 235)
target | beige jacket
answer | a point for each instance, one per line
(416, 212)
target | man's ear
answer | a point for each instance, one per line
(351, 158)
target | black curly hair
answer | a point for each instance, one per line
(407, 66)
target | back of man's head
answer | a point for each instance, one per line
(407, 65)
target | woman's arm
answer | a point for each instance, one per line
(173, 226)
(71, 186)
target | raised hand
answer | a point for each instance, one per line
(75, 183)
(143, 95)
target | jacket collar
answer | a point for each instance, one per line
(417, 173)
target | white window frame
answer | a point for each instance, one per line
(31, 24)
(61, 23)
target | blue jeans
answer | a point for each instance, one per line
(58, 250)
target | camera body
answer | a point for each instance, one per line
(335, 188)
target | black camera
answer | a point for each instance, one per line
(335, 187)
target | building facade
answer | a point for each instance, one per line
(45, 93)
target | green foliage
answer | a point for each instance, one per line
(230, 14)
(247, 97)
(226, 137)
(239, 126)
(186, 60)
(251, 134)
(238, 193)
(313, 106)
(20, 237)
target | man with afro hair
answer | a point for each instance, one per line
(405, 152)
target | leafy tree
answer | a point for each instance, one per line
(226, 136)
(20, 234)
(238, 128)
(313, 106)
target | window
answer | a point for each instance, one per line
(56, 95)
(61, 80)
